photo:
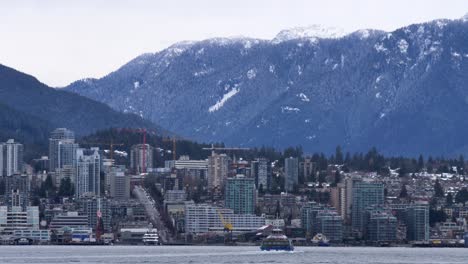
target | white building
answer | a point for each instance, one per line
(17, 219)
(203, 218)
(87, 179)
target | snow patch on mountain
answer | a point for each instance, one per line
(379, 47)
(251, 74)
(403, 46)
(203, 72)
(220, 103)
(289, 109)
(311, 32)
(303, 97)
(272, 68)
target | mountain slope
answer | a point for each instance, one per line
(30, 107)
(404, 92)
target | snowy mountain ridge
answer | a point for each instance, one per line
(368, 88)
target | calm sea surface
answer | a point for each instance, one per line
(220, 254)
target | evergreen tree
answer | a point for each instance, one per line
(420, 162)
(403, 192)
(462, 196)
(449, 199)
(337, 178)
(338, 155)
(66, 188)
(438, 190)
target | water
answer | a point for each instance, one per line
(221, 254)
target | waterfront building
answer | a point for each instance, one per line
(284, 205)
(364, 195)
(141, 158)
(16, 218)
(68, 219)
(291, 173)
(11, 158)
(309, 221)
(94, 206)
(240, 195)
(417, 222)
(36, 235)
(330, 224)
(203, 218)
(381, 226)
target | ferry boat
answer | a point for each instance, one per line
(320, 240)
(277, 241)
(151, 237)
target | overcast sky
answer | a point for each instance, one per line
(63, 41)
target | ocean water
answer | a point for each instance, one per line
(222, 254)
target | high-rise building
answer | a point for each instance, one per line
(141, 158)
(330, 224)
(17, 189)
(259, 170)
(119, 183)
(381, 226)
(240, 195)
(365, 194)
(308, 169)
(87, 180)
(62, 148)
(309, 213)
(338, 199)
(291, 173)
(417, 222)
(11, 158)
(218, 167)
(106, 166)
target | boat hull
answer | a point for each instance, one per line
(277, 248)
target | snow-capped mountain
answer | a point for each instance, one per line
(405, 92)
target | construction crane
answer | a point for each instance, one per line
(226, 224)
(111, 145)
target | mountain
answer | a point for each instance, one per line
(29, 110)
(404, 92)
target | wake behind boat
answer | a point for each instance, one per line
(277, 241)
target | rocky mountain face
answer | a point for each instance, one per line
(404, 92)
